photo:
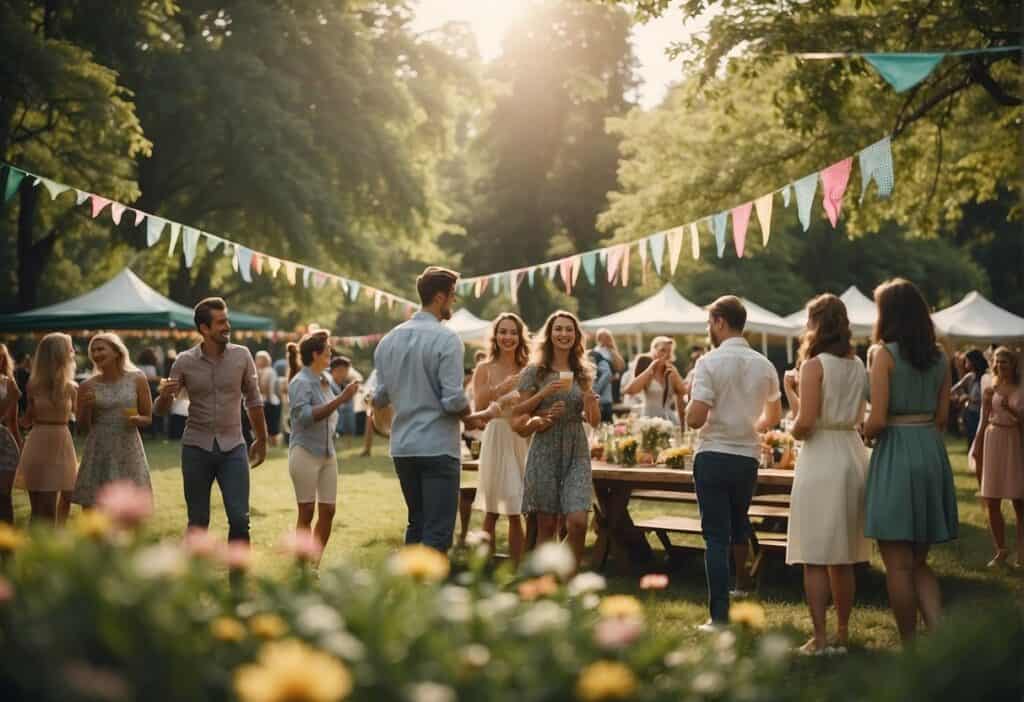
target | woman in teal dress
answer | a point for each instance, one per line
(911, 499)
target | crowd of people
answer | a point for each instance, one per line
(530, 399)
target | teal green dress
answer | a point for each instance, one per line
(910, 490)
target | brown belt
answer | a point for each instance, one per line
(48, 423)
(911, 420)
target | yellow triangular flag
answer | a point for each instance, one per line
(694, 241)
(675, 247)
(763, 205)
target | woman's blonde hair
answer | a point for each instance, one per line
(658, 340)
(1014, 361)
(53, 367)
(522, 352)
(114, 341)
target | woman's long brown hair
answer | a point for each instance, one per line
(522, 353)
(903, 318)
(544, 351)
(828, 328)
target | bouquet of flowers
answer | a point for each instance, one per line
(675, 458)
(625, 449)
(780, 446)
(655, 433)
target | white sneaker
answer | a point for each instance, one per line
(739, 594)
(711, 627)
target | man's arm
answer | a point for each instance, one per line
(450, 375)
(702, 397)
(771, 415)
(604, 377)
(169, 388)
(380, 396)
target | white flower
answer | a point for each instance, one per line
(455, 603)
(498, 605)
(708, 682)
(543, 616)
(430, 692)
(586, 582)
(475, 655)
(553, 558)
(319, 618)
(161, 560)
(591, 601)
(725, 641)
(775, 648)
(344, 645)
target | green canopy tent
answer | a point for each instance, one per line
(124, 302)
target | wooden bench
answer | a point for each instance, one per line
(664, 525)
(781, 500)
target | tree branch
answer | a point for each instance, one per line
(978, 70)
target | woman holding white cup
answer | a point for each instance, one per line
(557, 386)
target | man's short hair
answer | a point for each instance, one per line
(434, 280)
(203, 311)
(339, 361)
(731, 309)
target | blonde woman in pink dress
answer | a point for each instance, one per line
(999, 450)
(503, 452)
(48, 465)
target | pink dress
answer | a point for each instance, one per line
(1002, 449)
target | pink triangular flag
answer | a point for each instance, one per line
(257, 263)
(98, 203)
(614, 259)
(675, 247)
(763, 206)
(139, 217)
(481, 285)
(116, 210)
(624, 267)
(833, 184)
(565, 268)
(740, 220)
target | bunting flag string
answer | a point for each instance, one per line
(244, 260)
(875, 162)
(904, 70)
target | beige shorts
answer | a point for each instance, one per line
(315, 477)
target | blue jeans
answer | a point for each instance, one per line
(199, 468)
(725, 485)
(430, 486)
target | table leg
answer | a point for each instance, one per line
(620, 538)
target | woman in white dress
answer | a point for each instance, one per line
(826, 523)
(658, 380)
(502, 451)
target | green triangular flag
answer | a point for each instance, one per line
(589, 261)
(14, 178)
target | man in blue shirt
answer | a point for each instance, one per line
(419, 373)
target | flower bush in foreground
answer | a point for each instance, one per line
(116, 617)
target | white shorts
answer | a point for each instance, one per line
(315, 477)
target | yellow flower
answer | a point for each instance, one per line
(93, 524)
(10, 538)
(605, 680)
(420, 562)
(621, 607)
(748, 614)
(543, 586)
(227, 629)
(268, 626)
(291, 671)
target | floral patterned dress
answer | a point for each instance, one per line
(557, 479)
(113, 449)
(9, 453)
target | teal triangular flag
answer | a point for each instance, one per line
(658, 250)
(245, 263)
(589, 261)
(903, 71)
(719, 222)
(307, 277)
(529, 275)
(805, 188)
(154, 229)
(14, 178)
(353, 289)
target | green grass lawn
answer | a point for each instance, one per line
(371, 517)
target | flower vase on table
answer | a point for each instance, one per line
(626, 451)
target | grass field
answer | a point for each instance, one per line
(371, 516)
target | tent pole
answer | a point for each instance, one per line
(789, 349)
(764, 343)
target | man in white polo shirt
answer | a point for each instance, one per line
(735, 395)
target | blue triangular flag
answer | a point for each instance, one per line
(14, 178)
(307, 276)
(658, 250)
(353, 289)
(719, 222)
(903, 71)
(189, 244)
(589, 261)
(876, 164)
(805, 188)
(245, 263)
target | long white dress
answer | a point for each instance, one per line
(502, 468)
(826, 522)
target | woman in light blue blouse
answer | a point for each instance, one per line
(311, 459)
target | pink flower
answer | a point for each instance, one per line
(302, 544)
(618, 632)
(620, 430)
(6, 590)
(127, 504)
(654, 581)
(201, 543)
(237, 556)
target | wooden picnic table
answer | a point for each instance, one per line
(618, 536)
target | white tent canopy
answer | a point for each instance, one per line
(859, 308)
(468, 326)
(976, 319)
(665, 312)
(762, 321)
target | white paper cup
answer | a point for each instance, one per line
(565, 376)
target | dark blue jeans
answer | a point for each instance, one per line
(725, 485)
(430, 486)
(230, 469)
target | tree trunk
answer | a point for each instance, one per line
(32, 255)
